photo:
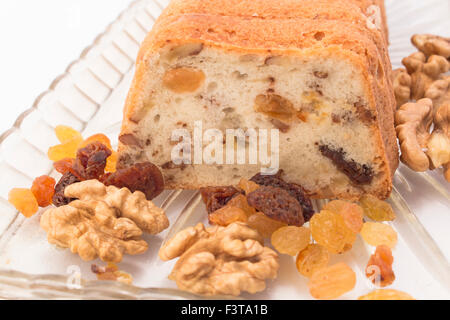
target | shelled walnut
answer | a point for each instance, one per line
(220, 260)
(424, 72)
(431, 44)
(439, 93)
(105, 222)
(439, 143)
(424, 78)
(413, 122)
(401, 81)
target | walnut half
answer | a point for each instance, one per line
(105, 222)
(401, 81)
(439, 143)
(431, 44)
(413, 122)
(220, 260)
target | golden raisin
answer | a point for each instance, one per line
(379, 267)
(65, 150)
(386, 294)
(352, 213)
(275, 106)
(376, 209)
(247, 186)
(240, 201)
(43, 189)
(227, 215)
(376, 233)
(311, 259)
(111, 273)
(183, 79)
(66, 133)
(330, 230)
(24, 201)
(291, 240)
(264, 225)
(332, 282)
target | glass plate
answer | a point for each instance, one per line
(90, 95)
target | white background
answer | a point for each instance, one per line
(39, 39)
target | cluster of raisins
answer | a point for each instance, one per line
(276, 209)
(78, 160)
(274, 203)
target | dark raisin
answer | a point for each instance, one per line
(364, 114)
(170, 166)
(91, 161)
(144, 177)
(359, 174)
(280, 125)
(59, 199)
(295, 190)
(320, 74)
(277, 204)
(217, 197)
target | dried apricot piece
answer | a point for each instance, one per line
(330, 230)
(311, 259)
(247, 186)
(64, 165)
(264, 225)
(332, 282)
(227, 215)
(376, 233)
(386, 294)
(351, 212)
(43, 189)
(379, 267)
(100, 137)
(24, 201)
(65, 150)
(376, 209)
(241, 202)
(66, 134)
(291, 240)
(111, 162)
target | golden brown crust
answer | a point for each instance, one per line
(232, 28)
(355, 11)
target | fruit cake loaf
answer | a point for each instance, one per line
(323, 81)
